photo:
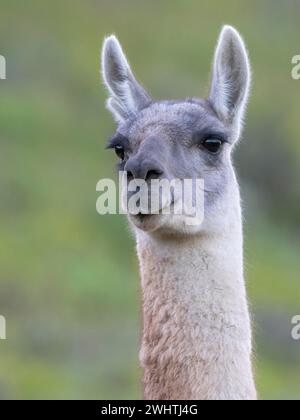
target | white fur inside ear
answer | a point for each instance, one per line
(127, 96)
(231, 77)
(114, 107)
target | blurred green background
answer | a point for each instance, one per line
(69, 285)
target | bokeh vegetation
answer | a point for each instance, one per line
(69, 284)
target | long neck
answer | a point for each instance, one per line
(196, 341)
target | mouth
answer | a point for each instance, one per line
(142, 216)
(147, 222)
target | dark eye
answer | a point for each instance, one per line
(212, 145)
(120, 152)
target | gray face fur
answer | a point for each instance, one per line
(167, 139)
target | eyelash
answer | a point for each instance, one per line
(206, 142)
(118, 140)
(212, 144)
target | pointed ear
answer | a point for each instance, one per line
(231, 78)
(127, 96)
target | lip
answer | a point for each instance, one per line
(147, 222)
(160, 212)
(143, 216)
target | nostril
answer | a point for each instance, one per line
(153, 174)
(138, 168)
(130, 176)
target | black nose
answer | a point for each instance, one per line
(146, 170)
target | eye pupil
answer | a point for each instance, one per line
(212, 145)
(120, 152)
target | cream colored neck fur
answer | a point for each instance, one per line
(196, 341)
